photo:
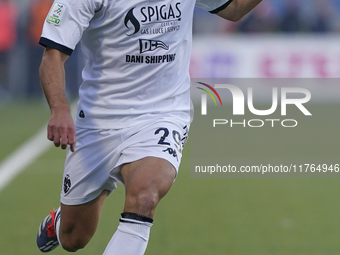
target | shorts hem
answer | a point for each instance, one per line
(82, 200)
(115, 173)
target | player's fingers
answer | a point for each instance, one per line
(72, 141)
(63, 137)
(73, 147)
(63, 142)
(56, 137)
(50, 135)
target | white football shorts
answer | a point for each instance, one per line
(95, 164)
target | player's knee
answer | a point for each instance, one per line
(73, 244)
(143, 202)
(148, 202)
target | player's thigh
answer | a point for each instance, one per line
(81, 221)
(146, 182)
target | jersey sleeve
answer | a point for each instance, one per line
(66, 22)
(213, 6)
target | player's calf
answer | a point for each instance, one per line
(72, 243)
(78, 223)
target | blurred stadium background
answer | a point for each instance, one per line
(280, 39)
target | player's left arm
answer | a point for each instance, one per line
(237, 9)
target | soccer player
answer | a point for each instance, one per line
(133, 112)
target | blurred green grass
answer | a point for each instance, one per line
(198, 216)
(19, 121)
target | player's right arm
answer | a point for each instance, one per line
(63, 29)
(60, 128)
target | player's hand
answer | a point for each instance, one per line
(61, 130)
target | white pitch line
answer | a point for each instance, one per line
(25, 155)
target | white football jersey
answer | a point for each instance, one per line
(138, 55)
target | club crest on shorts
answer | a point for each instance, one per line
(81, 114)
(67, 183)
(56, 14)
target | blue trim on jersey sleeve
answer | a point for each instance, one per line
(221, 7)
(49, 43)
